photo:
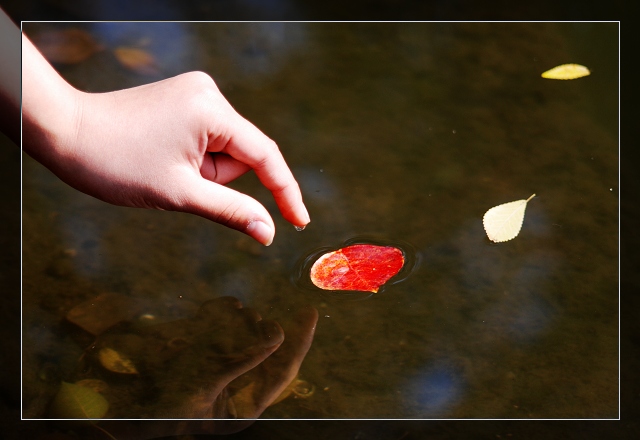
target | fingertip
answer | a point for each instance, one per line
(305, 216)
(261, 232)
(293, 209)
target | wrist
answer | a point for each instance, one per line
(51, 110)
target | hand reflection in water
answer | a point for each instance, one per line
(225, 363)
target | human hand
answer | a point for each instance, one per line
(169, 145)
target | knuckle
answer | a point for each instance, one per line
(272, 147)
(270, 150)
(203, 97)
(201, 79)
(230, 215)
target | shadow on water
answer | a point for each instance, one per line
(407, 131)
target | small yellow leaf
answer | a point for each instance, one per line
(566, 71)
(78, 402)
(116, 362)
(299, 388)
(138, 60)
(503, 222)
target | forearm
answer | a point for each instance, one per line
(50, 109)
(9, 78)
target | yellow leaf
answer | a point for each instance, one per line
(566, 71)
(138, 60)
(78, 402)
(116, 362)
(299, 388)
(97, 385)
(503, 222)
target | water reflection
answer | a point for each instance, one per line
(225, 362)
(434, 391)
(123, 10)
(85, 239)
(174, 46)
(259, 51)
(238, 283)
(525, 311)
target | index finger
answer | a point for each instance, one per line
(252, 147)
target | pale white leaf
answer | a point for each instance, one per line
(503, 222)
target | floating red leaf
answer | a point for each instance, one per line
(362, 267)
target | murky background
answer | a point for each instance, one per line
(395, 131)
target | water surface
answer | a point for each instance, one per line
(401, 132)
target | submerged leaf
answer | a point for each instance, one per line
(66, 46)
(116, 362)
(566, 71)
(78, 402)
(138, 60)
(299, 388)
(102, 312)
(361, 267)
(503, 222)
(97, 385)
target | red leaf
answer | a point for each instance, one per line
(362, 267)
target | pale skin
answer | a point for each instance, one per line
(169, 145)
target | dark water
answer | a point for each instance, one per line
(404, 132)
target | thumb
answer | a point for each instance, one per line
(230, 208)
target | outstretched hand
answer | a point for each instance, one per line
(169, 145)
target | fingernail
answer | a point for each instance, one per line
(261, 232)
(306, 221)
(306, 213)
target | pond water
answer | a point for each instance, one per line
(399, 132)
